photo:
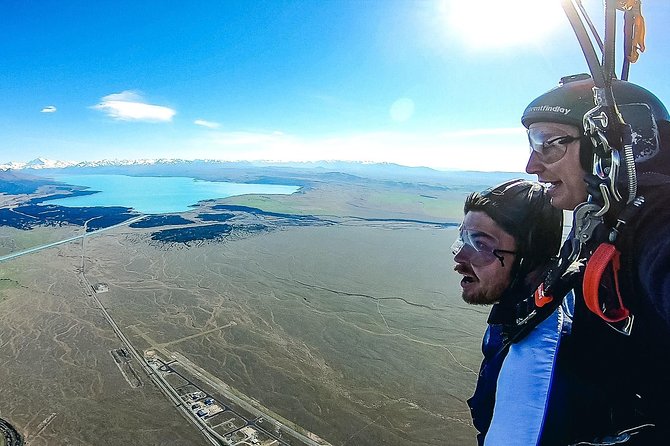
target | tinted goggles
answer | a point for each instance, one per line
(477, 248)
(549, 146)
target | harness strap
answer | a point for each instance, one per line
(638, 38)
(611, 311)
(633, 13)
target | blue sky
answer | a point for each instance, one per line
(417, 82)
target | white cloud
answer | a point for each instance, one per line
(49, 109)
(130, 106)
(127, 96)
(208, 124)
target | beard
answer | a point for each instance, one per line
(484, 295)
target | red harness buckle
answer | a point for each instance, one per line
(542, 299)
(611, 310)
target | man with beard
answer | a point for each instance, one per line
(509, 236)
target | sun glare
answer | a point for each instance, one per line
(495, 24)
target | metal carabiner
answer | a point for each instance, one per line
(585, 221)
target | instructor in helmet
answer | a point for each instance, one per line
(617, 383)
(508, 237)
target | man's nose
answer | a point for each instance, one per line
(534, 165)
(460, 257)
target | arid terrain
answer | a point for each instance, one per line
(348, 324)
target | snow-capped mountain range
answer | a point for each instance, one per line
(37, 163)
(43, 163)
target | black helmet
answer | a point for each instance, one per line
(523, 209)
(567, 104)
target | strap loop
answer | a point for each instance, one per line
(610, 311)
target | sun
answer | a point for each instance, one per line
(494, 24)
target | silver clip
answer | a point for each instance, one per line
(624, 327)
(586, 220)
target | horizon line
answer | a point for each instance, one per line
(128, 162)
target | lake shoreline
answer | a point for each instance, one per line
(153, 195)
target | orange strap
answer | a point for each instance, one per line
(639, 28)
(595, 267)
(637, 46)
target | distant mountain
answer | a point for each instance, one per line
(37, 163)
(268, 172)
(13, 182)
(43, 163)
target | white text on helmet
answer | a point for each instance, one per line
(549, 108)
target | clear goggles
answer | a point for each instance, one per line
(550, 145)
(477, 248)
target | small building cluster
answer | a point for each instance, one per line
(202, 405)
(100, 288)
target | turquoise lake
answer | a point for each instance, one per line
(156, 195)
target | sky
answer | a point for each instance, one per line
(435, 83)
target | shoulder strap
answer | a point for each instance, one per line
(609, 306)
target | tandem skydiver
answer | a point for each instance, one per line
(509, 235)
(602, 148)
(615, 365)
(600, 377)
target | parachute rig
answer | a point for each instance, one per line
(613, 200)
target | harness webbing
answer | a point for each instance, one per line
(605, 255)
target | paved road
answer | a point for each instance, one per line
(68, 240)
